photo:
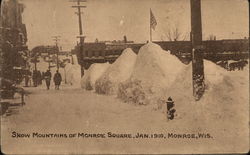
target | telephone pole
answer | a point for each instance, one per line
(56, 39)
(198, 50)
(78, 6)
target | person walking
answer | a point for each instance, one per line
(39, 78)
(34, 78)
(43, 77)
(27, 77)
(47, 77)
(57, 80)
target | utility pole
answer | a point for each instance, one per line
(198, 51)
(78, 6)
(56, 39)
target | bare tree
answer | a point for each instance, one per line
(185, 36)
(173, 33)
(169, 35)
(211, 37)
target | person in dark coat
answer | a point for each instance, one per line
(57, 80)
(34, 78)
(27, 78)
(43, 76)
(39, 77)
(47, 77)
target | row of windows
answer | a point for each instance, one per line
(102, 53)
(210, 46)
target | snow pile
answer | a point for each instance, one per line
(214, 74)
(74, 59)
(224, 91)
(182, 89)
(92, 74)
(158, 75)
(154, 71)
(73, 74)
(118, 72)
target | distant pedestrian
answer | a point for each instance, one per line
(27, 78)
(47, 77)
(57, 80)
(39, 77)
(43, 76)
(34, 78)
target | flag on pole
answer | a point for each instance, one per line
(153, 21)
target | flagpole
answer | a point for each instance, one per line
(150, 29)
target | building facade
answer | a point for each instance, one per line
(13, 39)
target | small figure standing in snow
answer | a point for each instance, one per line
(39, 77)
(57, 80)
(34, 78)
(27, 76)
(47, 77)
(170, 109)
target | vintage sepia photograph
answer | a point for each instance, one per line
(124, 76)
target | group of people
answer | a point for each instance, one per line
(37, 78)
(57, 79)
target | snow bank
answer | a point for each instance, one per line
(154, 71)
(224, 91)
(75, 60)
(155, 66)
(118, 72)
(158, 75)
(182, 89)
(92, 74)
(214, 74)
(73, 74)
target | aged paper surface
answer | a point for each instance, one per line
(124, 76)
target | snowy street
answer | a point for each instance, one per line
(124, 77)
(72, 110)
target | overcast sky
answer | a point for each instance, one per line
(112, 19)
